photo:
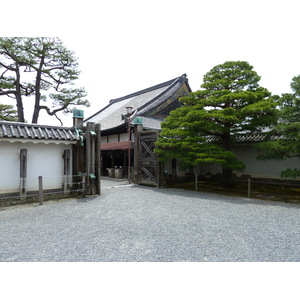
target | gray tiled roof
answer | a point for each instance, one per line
(256, 138)
(152, 122)
(248, 138)
(142, 102)
(20, 130)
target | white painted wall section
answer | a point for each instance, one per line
(42, 160)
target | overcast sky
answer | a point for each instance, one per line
(126, 46)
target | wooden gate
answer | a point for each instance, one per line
(148, 163)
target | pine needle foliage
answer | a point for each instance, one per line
(203, 130)
(287, 130)
(41, 68)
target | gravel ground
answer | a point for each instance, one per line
(135, 223)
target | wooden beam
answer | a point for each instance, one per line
(116, 146)
(137, 130)
(23, 172)
(88, 156)
(66, 157)
(98, 158)
(41, 193)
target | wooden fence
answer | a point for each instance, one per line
(42, 188)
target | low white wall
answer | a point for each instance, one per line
(42, 160)
(270, 168)
(115, 138)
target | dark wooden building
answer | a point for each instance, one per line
(128, 139)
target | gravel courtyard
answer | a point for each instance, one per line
(130, 223)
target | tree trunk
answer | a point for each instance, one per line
(36, 111)
(20, 108)
(18, 95)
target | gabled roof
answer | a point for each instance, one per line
(143, 102)
(19, 130)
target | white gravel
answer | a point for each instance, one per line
(136, 223)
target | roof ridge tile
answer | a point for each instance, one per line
(9, 129)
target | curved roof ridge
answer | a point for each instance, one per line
(171, 82)
(149, 89)
(179, 80)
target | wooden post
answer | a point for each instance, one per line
(23, 173)
(78, 149)
(78, 122)
(66, 157)
(93, 164)
(129, 150)
(249, 187)
(196, 179)
(174, 168)
(83, 185)
(88, 156)
(158, 165)
(137, 129)
(41, 190)
(98, 158)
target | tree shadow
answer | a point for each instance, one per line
(202, 195)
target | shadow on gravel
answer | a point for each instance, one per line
(87, 199)
(213, 197)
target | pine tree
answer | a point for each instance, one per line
(8, 113)
(284, 140)
(204, 129)
(42, 68)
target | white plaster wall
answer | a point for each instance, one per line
(103, 139)
(42, 160)
(270, 168)
(9, 167)
(124, 137)
(113, 138)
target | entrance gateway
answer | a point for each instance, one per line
(148, 165)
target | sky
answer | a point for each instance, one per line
(126, 46)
